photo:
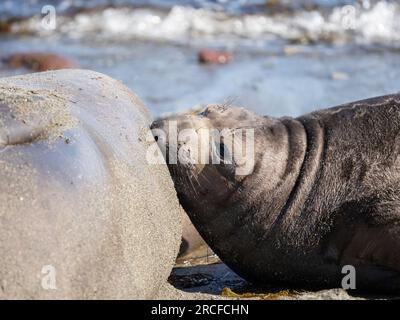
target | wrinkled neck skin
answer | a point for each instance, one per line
(265, 205)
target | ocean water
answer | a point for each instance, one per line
(290, 57)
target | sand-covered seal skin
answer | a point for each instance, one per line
(324, 193)
(82, 213)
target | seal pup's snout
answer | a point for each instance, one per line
(159, 129)
(157, 124)
(178, 140)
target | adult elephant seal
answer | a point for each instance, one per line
(82, 213)
(324, 192)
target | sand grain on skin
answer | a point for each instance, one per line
(51, 109)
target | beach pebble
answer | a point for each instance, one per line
(5, 27)
(210, 56)
(39, 61)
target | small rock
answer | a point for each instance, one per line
(190, 281)
(5, 27)
(210, 56)
(39, 61)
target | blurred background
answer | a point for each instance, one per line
(274, 57)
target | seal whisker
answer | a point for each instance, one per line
(191, 183)
(204, 176)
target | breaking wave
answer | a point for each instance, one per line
(364, 23)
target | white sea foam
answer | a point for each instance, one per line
(366, 23)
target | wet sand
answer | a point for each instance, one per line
(218, 281)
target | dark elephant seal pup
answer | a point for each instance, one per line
(82, 213)
(324, 192)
